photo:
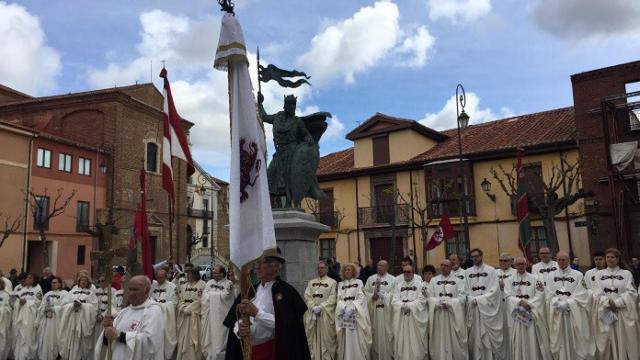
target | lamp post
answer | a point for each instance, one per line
(486, 187)
(462, 122)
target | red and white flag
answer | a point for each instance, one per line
(251, 232)
(443, 233)
(174, 143)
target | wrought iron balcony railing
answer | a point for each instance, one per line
(329, 218)
(384, 215)
(199, 213)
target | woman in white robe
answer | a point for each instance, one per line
(615, 299)
(353, 328)
(25, 340)
(5, 321)
(77, 322)
(48, 320)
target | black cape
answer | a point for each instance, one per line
(290, 336)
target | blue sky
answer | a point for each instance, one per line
(403, 58)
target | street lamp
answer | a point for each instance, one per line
(486, 187)
(463, 122)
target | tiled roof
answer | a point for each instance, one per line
(526, 131)
(336, 162)
(82, 93)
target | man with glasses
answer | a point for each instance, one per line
(165, 294)
(546, 266)
(319, 320)
(379, 293)
(409, 317)
(217, 299)
(447, 328)
(505, 274)
(484, 315)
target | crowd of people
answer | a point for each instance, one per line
(515, 311)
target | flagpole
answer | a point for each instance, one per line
(171, 228)
(258, 68)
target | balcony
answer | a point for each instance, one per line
(384, 215)
(329, 218)
(199, 213)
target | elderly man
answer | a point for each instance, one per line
(546, 266)
(567, 301)
(404, 262)
(45, 280)
(525, 308)
(409, 317)
(484, 315)
(276, 323)
(379, 292)
(455, 266)
(447, 328)
(319, 320)
(138, 331)
(166, 295)
(102, 293)
(505, 271)
(217, 298)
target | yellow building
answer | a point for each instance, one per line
(398, 170)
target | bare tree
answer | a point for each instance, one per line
(42, 213)
(564, 175)
(10, 227)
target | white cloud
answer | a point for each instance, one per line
(459, 10)
(27, 63)
(446, 118)
(417, 46)
(353, 45)
(580, 19)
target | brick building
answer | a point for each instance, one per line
(606, 110)
(125, 122)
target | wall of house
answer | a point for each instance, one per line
(405, 144)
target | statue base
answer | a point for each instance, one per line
(297, 236)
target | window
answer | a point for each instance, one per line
(84, 167)
(80, 254)
(537, 239)
(64, 162)
(205, 241)
(152, 157)
(205, 226)
(326, 214)
(458, 245)
(41, 213)
(381, 150)
(82, 216)
(43, 158)
(205, 205)
(327, 248)
(634, 110)
(446, 191)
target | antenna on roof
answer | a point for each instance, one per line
(151, 71)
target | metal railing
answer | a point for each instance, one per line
(384, 215)
(329, 218)
(199, 213)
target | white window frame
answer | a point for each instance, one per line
(84, 166)
(65, 162)
(43, 158)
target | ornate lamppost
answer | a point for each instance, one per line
(462, 122)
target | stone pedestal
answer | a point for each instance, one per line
(297, 236)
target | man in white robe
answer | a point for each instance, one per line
(137, 333)
(102, 294)
(180, 278)
(8, 286)
(409, 317)
(379, 293)
(217, 299)
(455, 266)
(567, 302)
(484, 311)
(188, 323)
(447, 327)
(404, 262)
(25, 341)
(598, 264)
(524, 305)
(166, 295)
(505, 272)
(319, 320)
(546, 266)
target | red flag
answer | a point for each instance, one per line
(141, 229)
(174, 143)
(443, 233)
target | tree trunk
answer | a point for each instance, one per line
(45, 250)
(548, 219)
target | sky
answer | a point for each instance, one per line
(401, 58)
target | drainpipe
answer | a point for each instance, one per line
(357, 220)
(26, 204)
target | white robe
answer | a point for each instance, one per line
(447, 327)
(118, 301)
(189, 345)
(143, 326)
(381, 314)
(166, 295)
(503, 278)
(8, 286)
(619, 340)
(25, 339)
(5, 324)
(460, 273)
(527, 343)
(76, 333)
(217, 299)
(544, 270)
(409, 320)
(48, 319)
(353, 344)
(484, 319)
(569, 332)
(103, 300)
(321, 328)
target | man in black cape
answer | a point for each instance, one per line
(282, 339)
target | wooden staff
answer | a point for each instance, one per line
(245, 285)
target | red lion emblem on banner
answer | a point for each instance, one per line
(249, 163)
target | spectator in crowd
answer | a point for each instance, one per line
(635, 270)
(575, 265)
(13, 277)
(428, 272)
(116, 280)
(45, 280)
(333, 273)
(367, 271)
